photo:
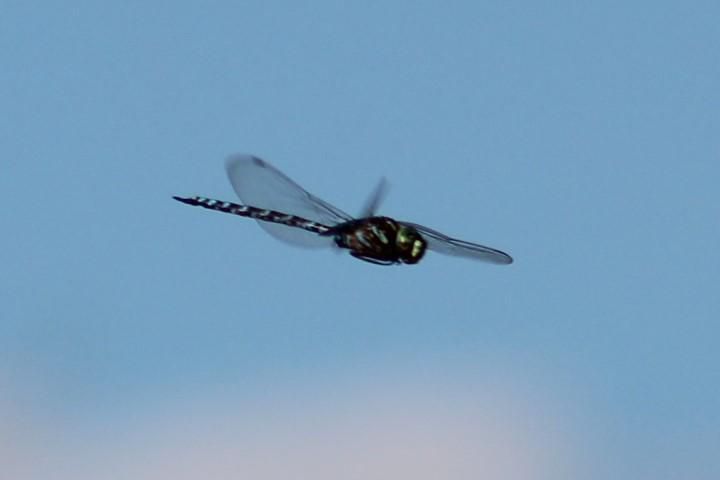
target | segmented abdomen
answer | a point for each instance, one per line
(256, 213)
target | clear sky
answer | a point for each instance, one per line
(146, 339)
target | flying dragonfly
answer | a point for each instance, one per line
(291, 214)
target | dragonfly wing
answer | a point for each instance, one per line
(375, 199)
(441, 243)
(259, 184)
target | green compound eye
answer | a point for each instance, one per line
(410, 245)
(418, 248)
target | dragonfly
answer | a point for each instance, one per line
(291, 214)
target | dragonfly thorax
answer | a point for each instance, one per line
(380, 239)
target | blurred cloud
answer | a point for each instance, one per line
(382, 430)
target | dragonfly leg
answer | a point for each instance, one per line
(371, 260)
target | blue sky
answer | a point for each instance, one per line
(581, 139)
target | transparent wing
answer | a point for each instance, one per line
(375, 199)
(441, 243)
(259, 184)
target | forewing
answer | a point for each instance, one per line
(259, 184)
(375, 199)
(441, 243)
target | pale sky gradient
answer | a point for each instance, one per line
(582, 140)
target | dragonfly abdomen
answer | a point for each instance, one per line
(256, 213)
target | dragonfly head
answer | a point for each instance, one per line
(410, 244)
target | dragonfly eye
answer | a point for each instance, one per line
(410, 245)
(418, 248)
